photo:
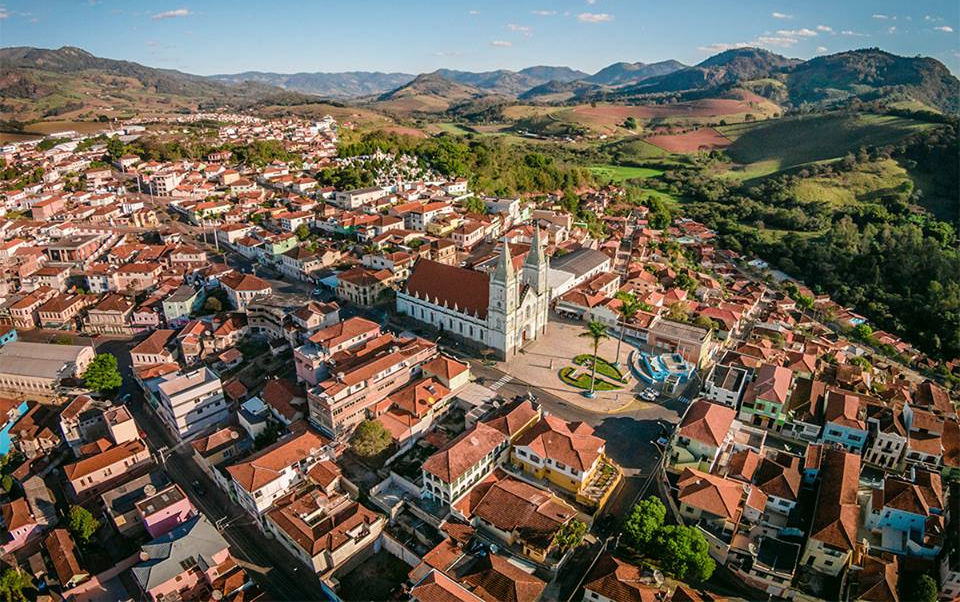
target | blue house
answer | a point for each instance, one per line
(845, 421)
(10, 417)
(909, 520)
(8, 334)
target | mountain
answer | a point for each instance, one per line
(728, 67)
(870, 73)
(504, 81)
(40, 82)
(558, 91)
(428, 93)
(619, 74)
(347, 84)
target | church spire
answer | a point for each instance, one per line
(535, 257)
(504, 269)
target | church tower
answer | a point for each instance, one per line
(502, 307)
(535, 265)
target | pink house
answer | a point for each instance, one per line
(183, 563)
(165, 511)
(21, 524)
(96, 473)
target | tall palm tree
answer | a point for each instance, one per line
(629, 306)
(596, 331)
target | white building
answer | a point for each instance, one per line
(502, 311)
(192, 402)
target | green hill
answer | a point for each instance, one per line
(766, 147)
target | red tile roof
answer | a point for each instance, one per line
(450, 286)
(463, 452)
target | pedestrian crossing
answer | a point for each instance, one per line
(500, 383)
(683, 399)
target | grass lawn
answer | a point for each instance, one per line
(765, 147)
(866, 183)
(582, 381)
(603, 366)
(619, 173)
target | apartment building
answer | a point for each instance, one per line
(311, 358)
(192, 402)
(97, 473)
(363, 378)
(454, 470)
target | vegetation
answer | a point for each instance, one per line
(920, 589)
(82, 524)
(370, 438)
(629, 307)
(583, 381)
(102, 374)
(13, 583)
(644, 520)
(493, 165)
(570, 535)
(604, 367)
(596, 332)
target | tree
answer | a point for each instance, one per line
(705, 323)
(597, 332)
(370, 438)
(684, 552)
(302, 232)
(920, 589)
(81, 523)
(570, 535)
(13, 582)
(644, 520)
(804, 302)
(863, 332)
(103, 374)
(474, 204)
(629, 306)
(678, 312)
(268, 436)
(213, 304)
(630, 123)
(115, 148)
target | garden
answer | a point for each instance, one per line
(608, 376)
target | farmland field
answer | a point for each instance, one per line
(619, 173)
(690, 142)
(766, 147)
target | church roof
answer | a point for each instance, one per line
(468, 290)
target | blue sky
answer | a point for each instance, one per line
(214, 36)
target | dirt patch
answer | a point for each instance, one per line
(404, 131)
(690, 142)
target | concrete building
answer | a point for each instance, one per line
(39, 368)
(192, 402)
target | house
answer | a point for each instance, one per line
(21, 525)
(887, 438)
(165, 510)
(363, 286)
(323, 530)
(766, 397)
(275, 471)
(243, 288)
(119, 503)
(110, 316)
(612, 580)
(698, 439)
(96, 473)
(518, 514)
(62, 552)
(437, 587)
(192, 402)
(153, 349)
(183, 302)
(495, 578)
(220, 447)
(714, 504)
(833, 537)
(311, 358)
(190, 557)
(454, 470)
(566, 454)
(845, 420)
(725, 385)
(909, 515)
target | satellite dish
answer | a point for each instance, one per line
(149, 490)
(216, 594)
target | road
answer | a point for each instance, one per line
(281, 575)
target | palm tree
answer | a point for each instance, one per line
(596, 331)
(629, 306)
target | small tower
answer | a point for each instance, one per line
(503, 284)
(535, 265)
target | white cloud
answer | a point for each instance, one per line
(778, 15)
(473, 12)
(932, 18)
(944, 28)
(520, 29)
(543, 13)
(501, 44)
(447, 53)
(821, 49)
(892, 29)
(595, 17)
(171, 14)
(825, 28)
(880, 16)
(721, 46)
(3, 13)
(591, 2)
(855, 34)
(797, 33)
(777, 41)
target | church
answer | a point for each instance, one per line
(502, 310)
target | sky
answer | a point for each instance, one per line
(213, 36)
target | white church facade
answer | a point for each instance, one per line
(502, 310)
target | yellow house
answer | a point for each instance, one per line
(567, 454)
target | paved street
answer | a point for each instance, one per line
(281, 575)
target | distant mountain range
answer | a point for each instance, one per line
(38, 82)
